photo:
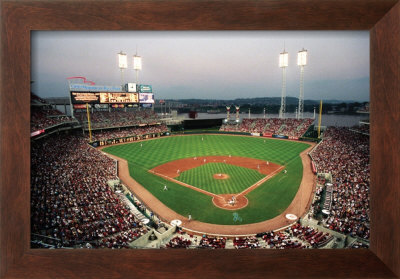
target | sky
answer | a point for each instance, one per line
(206, 64)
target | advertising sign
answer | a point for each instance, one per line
(85, 97)
(108, 98)
(146, 98)
(81, 106)
(146, 105)
(117, 105)
(104, 97)
(94, 88)
(145, 88)
(280, 136)
(314, 169)
(130, 87)
(98, 106)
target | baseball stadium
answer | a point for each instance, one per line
(120, 178)
(112, 169)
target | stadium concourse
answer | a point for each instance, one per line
(77, 200)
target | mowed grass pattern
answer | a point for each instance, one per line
(265, 202)
(202, 177)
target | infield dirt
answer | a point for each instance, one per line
(232, 201)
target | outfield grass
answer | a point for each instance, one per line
(202, 177)
(265, 202)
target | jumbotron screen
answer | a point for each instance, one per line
(146, 98)
(104, 97)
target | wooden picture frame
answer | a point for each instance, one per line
(19, 18)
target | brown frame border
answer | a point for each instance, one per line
(18, 18)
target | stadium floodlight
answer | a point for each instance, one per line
(137, 65)
(302, 57)
(301, 61)
(137, 62)
(283, 59)
(283, 63)
(122, 64)
(122, 60)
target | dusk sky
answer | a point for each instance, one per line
(206, 64)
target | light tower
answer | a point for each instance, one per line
(137, 65)
(301, 61)
(122, 64)
(283, 63)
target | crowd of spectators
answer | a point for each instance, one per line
(281, 240)
(43, 117)
(229, 127)
(35, 99)
(117, 118)
(70, 198)
(213, 242)
(250, 242)
(361, 128)
(283, 126)
(179, 242)
(310, 235)
(130, 131)
(321, 180)
(345, 154)
(294, 237)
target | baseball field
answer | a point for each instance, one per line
(189, 174)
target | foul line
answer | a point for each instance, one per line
(184, 184)
(258, 183)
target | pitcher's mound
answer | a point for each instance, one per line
(221, 176)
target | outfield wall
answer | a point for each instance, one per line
(98, 143)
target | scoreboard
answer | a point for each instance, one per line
(114, 96)
(104, 98)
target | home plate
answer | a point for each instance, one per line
(291, 217)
